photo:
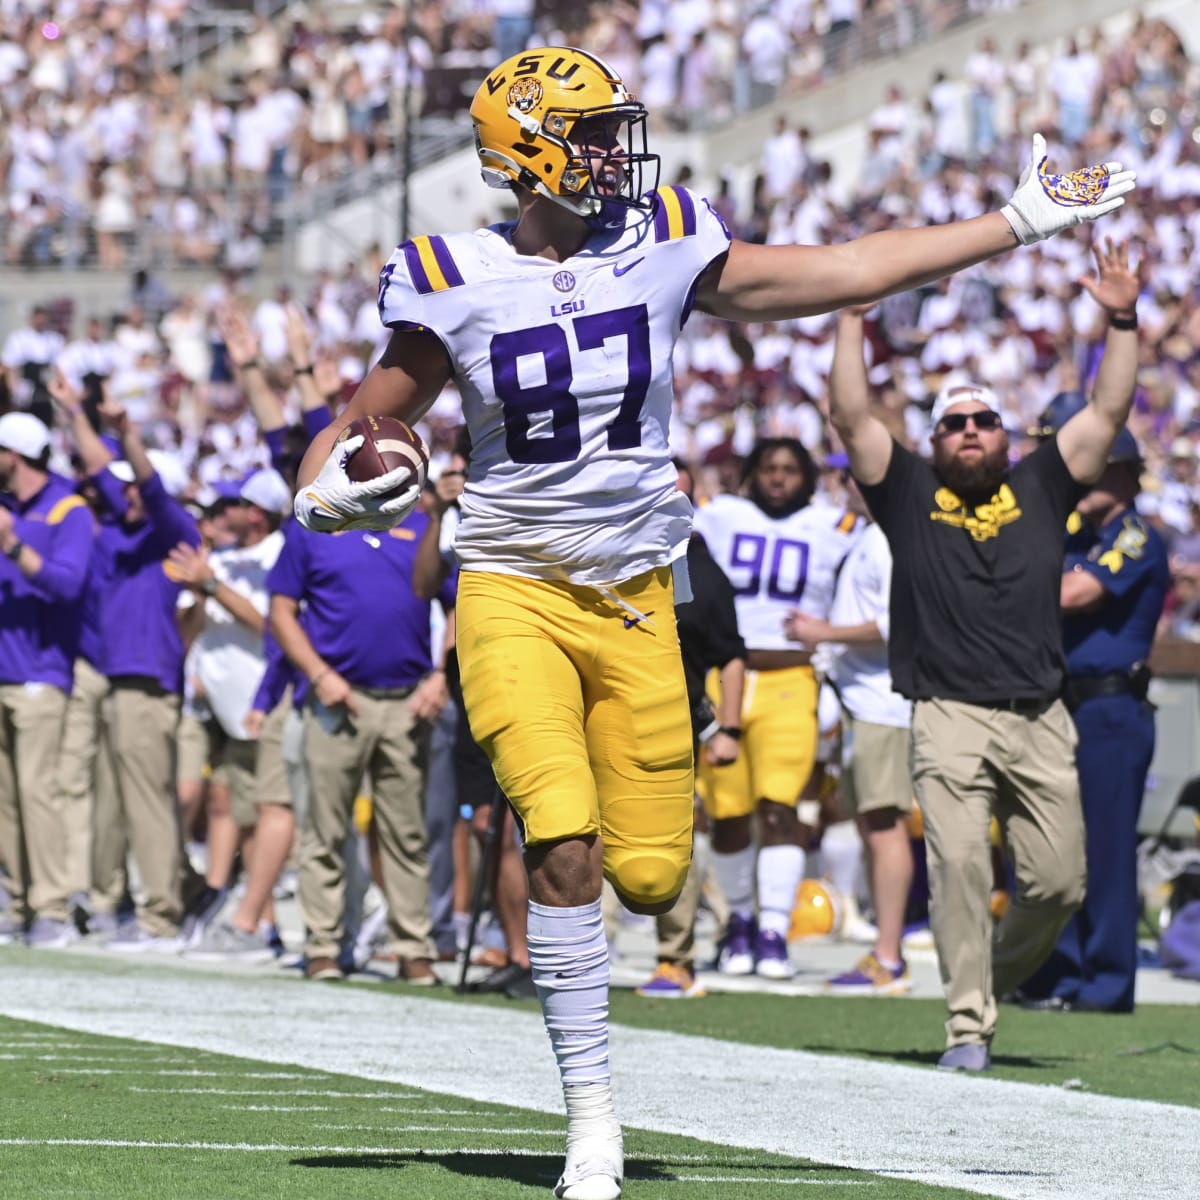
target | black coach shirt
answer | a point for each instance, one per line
(975, 589)
(708, 629)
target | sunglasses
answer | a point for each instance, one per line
(957, 422)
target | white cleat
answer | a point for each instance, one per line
(595, 1166)
(594, 1170)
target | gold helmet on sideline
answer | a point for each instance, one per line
(817, 912)
(526, 113)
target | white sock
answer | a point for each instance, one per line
(569, 959)
(842, 857)
(780, 870)
(734, 874)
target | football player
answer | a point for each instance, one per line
(558, 329)
(781, 554)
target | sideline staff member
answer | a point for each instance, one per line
(977, 644)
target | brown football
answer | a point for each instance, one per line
(387, 444)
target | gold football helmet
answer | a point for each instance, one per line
(560, 122)
(817, 912)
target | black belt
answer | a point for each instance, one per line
(1081, 688)
(146, 684)
(400, 693)
(1025, 705)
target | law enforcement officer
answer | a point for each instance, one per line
(1113, 589)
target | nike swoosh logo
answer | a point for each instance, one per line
(630, 622)
(620, 269)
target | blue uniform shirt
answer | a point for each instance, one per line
(39, 617)
(1130, 560)
(361, 614)
(138, 633)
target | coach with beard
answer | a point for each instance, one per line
(976, 643)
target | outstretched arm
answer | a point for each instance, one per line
(767, 283)
(1085, 440)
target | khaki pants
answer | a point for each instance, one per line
(677, 929)
(140, 728)
(84, 770)
(382, 739)
(970, 763)
(31, 813)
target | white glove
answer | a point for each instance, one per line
(1046, 204)
(333, 501)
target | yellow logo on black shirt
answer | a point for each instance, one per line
(982, 522)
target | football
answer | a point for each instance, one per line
(387, 444)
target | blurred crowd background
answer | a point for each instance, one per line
(132, 143)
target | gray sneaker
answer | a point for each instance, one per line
(132, 938)
(48, 934)
(225, 942)
(970, 1056)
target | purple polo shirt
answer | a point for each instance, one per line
(138, 634)
(360, 612)
(39, 617)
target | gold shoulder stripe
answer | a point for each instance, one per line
(67, 504)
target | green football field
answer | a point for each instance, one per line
(152, 1079)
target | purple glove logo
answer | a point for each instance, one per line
(1076, 188)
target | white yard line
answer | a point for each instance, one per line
(989, 1136)
(325, 1095)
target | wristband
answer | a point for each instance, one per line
(1123, 321)
(14, 551)
(732, 731)
(303, 370)
(249, 364)
(210, 585)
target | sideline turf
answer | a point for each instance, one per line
(346, 1139)
(1151, 1054)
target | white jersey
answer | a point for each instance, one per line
(566, 383)
(860, 672)
(229, 657)
(776, 565)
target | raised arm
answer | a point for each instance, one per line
(1085, 440)
(241, 343)
(866, 438)
(93, 453)
(766, 283)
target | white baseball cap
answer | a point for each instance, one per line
(23, 433)
(267, 490)
(961, 392)
(168, 468)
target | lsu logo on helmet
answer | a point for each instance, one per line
(544, 118)
(525, 94)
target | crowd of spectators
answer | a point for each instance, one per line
(1021, 323)
(116, 151)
